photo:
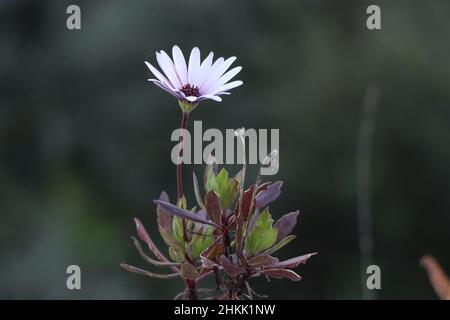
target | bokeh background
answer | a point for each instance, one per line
(85, 140)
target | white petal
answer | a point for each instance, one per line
(168, 68)
(194, 66)
(173, 70)
(211, 72)
(182, 95)
(210, 96)
(175, 92)
(227, 86)
(224, 79)
(180, 64)
(191, 98)
(158, 74)
(205, 68)
(218, 73)
(165, 88)
(172, 67)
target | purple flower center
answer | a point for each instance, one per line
(189, 90)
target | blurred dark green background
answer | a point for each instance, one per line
(85, 139)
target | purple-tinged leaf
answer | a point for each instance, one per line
(188, 271)
(282, 273)
(286, 224)
(202, 214)
(212, 206)
(215, 250)
(268, 195)
(184, 214)
(262, 260)
(150, 260)
(294, 262)
(263, 186)
(146, 238)
(148, 273)
(165, 221)
(248, 202)
(231, 269)
(207, 264)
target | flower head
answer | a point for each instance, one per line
(195, 81)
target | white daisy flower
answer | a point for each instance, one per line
(194, 82)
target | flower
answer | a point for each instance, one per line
(194, 82)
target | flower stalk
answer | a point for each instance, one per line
(190, 284)
(184, 124)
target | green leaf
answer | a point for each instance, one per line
(210, 169)
(210, 179)
(263, 235)
(201, 241)
(225, 188)
(222, 181)
(176, 253)
(198, 197)
(280, 244)
(228, 195)
(177, 230)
